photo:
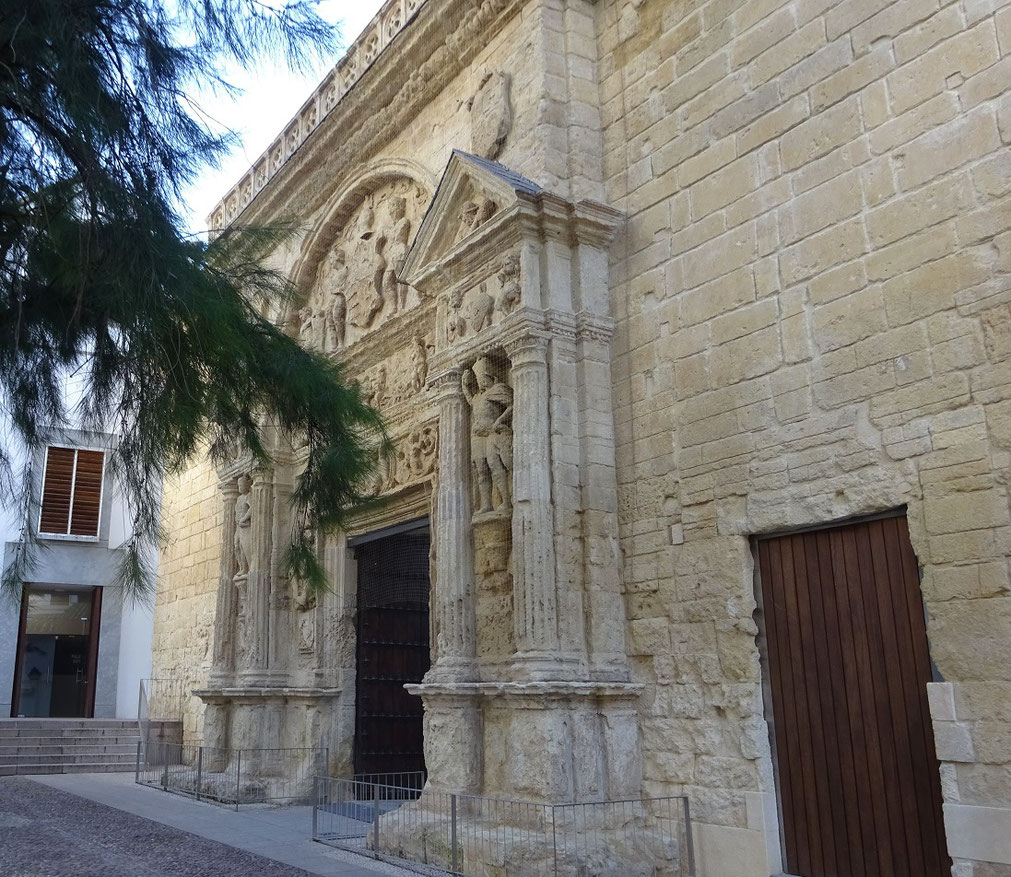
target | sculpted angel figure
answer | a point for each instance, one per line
(491, 435)
(243, 534)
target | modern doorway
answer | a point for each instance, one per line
(392, 650)
(848, 666)
(57, 653)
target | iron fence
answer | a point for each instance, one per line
(231, 776)
(473, 836)
(161, 699)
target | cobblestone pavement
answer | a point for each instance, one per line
(48, 833)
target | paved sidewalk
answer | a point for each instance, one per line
(282, 834)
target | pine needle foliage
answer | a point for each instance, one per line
(170, 335)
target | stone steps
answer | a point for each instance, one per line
(41, 746)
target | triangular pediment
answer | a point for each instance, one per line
(473, 194)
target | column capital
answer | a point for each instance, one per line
(447, 383)
(229, 488)
(530, 348)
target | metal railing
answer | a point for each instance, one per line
(161, 699)
(231, 776)
(473, 836)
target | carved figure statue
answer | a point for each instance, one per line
(336, 321)
(473, 215)
(335, 281)
(306, 320)
(396, 253)
(304, 599)
(480, 308)
(491, 435)
(509, 277)
(419, 364)
(376, 298)
(243, 530)
(379, 388)
(456, 326)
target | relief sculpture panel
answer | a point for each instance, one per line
(358, 282)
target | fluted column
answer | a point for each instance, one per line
(257, 610)
(280, 629)
(453, 592)
(223, 656)
(535, 601)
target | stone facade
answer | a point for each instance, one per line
(739, 266)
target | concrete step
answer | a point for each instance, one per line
(77, 758)
(27, 742)
(43, 754)
(70, 747)
(76, 767)
(34, 746)
(81, 728)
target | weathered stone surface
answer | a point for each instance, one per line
(803, 317)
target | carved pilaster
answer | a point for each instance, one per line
(453, 591)
(280, 628)
(535, 602)
(223, 657)
(255, 629)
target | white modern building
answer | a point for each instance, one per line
(70, 644)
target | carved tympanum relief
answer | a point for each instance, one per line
(358, 282)
(491, 436)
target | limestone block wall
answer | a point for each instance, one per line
(187, 585)
(812, 298)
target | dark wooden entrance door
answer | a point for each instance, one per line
(848, 665)
(393, 649)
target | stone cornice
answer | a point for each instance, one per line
(534, 693)
(435, 41)
(263, 693)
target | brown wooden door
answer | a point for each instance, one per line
(393, 649)
(859, 787)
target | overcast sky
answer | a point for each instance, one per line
(271, 96)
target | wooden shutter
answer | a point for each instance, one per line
(71, 492)
(87, 494)
(57, 490)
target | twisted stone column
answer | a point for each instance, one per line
(453, 594)
(535, 602)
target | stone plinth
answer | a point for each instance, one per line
(555, 742)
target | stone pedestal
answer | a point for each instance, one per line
(496, 642)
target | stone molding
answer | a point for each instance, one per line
(533, 692)
(227, 695)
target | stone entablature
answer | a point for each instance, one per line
(428, 56)
(380, 32)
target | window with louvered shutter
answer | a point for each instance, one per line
(71, 492)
